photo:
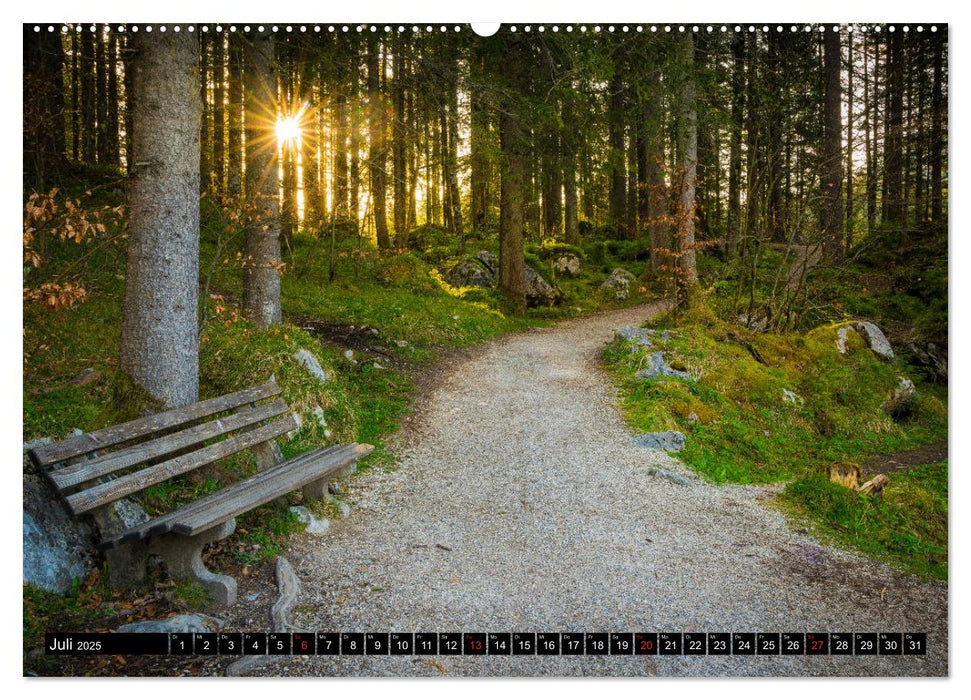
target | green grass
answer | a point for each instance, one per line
(906, 524)
(740, 430)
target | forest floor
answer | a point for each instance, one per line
(520, 503)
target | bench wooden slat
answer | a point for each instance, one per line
(77, 474)
(99, 495)
(164, 523)
(141, 427)
(289, 477)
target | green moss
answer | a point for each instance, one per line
(906, 524)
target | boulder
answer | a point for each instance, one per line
(930, 359)
(619, 283)
(658, 367)
(567, 264)
(310, 363)
(900, 403)
(490, 260)
(179, 623)
(539, 292)
(668, 440)
(57, 548)
(468, 273)
(874, 338)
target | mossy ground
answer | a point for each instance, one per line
(742, 429)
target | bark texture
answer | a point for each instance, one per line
(159, 335)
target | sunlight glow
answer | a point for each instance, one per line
(288, 129)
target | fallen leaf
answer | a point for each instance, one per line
(342, 600)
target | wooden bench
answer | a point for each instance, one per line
(94, 471)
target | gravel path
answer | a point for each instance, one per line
(520, 505)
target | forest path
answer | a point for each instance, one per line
(520, 504)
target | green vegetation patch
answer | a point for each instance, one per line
(906, 524)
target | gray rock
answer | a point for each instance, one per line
(314, 525)
(539, 292)
(180, 623)
(57, 548)
(619, 283)
(468, 273)
(842, 334)
(875, 339)
(658, 367)
(490, 260)
(930, 359)
(310, 363)
(669, 475)
(639, 336)
(349, 356)
(401, 343)
(900, 403)
(668, 440)
(567, 264)
(791, 397)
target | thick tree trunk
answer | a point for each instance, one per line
(261, 278)
(159, 335)
(752, 159)
(514, 146)
(377, 155)
(452, 161)
(688, 146)
(831, 180)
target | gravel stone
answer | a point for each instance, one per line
(520, 463)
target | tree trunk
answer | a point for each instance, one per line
(571, 227)
(101, 104)
(453, 149)
(45, 153)
(849, 141)
(618, 180)
(735, 149)
(159, 334)
(75, 97)
(218, 113)
(688, 146)
(205, 158)
(938, 145)
(354, 124)
(831, 215)
(753, 108)
(893, 154)
(261, 279)
(113, 146)
(89, 143)
(398, 138)
(234, 170)
(377, 156)
(514, 147)
(658, 224)
(479, 137)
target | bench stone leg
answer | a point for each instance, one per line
(318, 490)
(183, 560)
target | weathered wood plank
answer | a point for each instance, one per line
(142, 427)
(287, 480)
(159, 447)
(107, 492)
(164, 523)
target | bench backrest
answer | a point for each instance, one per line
(124, 459)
